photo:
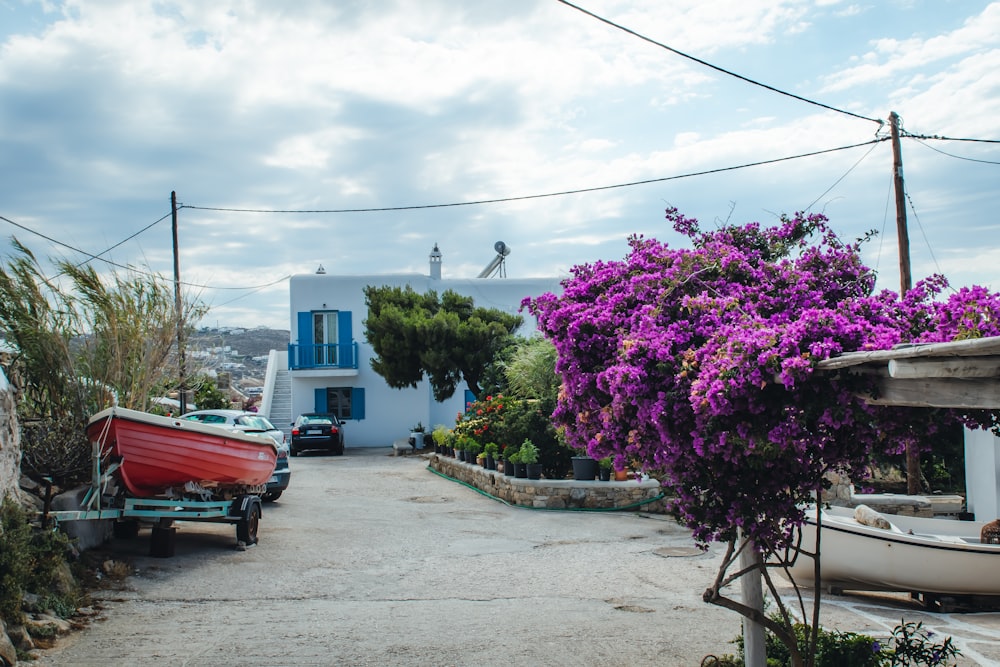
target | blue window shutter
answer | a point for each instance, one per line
(469, 398)
(357, 403)
(345, 353)
(307, 351)
(320, 399)
(305, 322)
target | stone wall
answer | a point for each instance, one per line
(10, 441)
(554, 493)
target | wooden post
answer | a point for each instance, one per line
(179, 309)
(754, 644)
(905, 279)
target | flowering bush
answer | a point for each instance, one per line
(700, 364)
(508, 421)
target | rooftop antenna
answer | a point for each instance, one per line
(496, 265)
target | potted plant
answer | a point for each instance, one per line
(417, 435)
(520, 468)
(584, 467)
(460, 447)
(472, 451)
(604, 468)
(491, 450)
(529, 457)
(508, 464)
(440, 435)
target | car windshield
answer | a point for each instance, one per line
(256, 422)
(206, 419)
(317, 419)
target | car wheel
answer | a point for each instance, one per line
(293, 452)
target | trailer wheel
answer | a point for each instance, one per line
(246, 527)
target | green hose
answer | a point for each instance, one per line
(551, 509)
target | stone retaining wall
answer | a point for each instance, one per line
(554, 493)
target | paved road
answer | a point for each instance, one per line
(370, 559)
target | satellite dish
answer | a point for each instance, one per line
(501, 248)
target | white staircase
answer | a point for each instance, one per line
(281, 403)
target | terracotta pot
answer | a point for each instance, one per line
(621, 475)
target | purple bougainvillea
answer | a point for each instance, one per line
(699, 364)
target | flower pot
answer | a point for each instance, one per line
(491, 463)
(521, 470)
(460, 453)
(534, 470)
(508, 468)
(604, 474)
(584, 468)
(621, 475)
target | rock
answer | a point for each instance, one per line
(8, 654)
(19, 636)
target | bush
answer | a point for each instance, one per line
(909, 646)
(30, 560)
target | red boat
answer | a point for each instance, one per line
(159, 453)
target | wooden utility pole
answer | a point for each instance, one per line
(178, 308)
(905, 278)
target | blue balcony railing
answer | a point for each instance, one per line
(338, 355)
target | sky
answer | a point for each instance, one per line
(356, 135)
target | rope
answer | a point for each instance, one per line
(551, 509)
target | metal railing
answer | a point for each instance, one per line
(336, 355)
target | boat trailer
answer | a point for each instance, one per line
(243, 510)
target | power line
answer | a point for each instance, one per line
(716, 67)
(957, 157)
(132, 268)
(562, 193)
(846, 173)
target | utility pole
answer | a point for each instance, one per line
(178, 308)
(905, 278)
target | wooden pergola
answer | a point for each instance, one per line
(959, 374)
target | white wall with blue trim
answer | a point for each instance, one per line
(387, 413)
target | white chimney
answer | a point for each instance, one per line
(435, 258)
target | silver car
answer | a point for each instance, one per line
(251, 422)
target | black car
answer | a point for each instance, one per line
(317, 430)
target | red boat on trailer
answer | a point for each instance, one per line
(160, 453)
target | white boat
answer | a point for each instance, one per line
(930, 558)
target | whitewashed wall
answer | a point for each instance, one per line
(389, 413)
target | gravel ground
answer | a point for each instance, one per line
(370, 559)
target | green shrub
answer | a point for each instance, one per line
(29, 562)
(909, 646)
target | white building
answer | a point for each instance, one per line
(327, 365)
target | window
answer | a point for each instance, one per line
(345, 402)
(325, 337)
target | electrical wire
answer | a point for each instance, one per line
(923, 232)
(133, 269)
(957, 157)
(717, 68)
(837, 182)
(414, 207)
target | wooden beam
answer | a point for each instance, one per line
(957, 367)
(975, 347)
(938, 393)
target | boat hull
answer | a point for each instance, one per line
(160, 453)
(917, 555)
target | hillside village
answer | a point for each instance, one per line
(236, 357)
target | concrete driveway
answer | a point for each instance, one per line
(370, 559)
